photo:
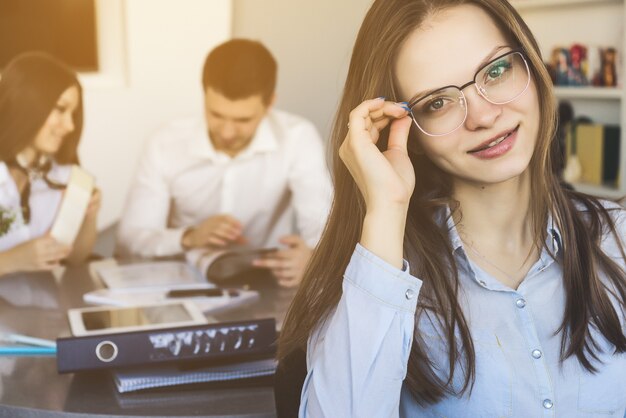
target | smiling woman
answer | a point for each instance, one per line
(466, 282)
(41, 121)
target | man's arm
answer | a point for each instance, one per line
(310, 184)
(143, 229)
(311, 190)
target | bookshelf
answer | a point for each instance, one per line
(524, 5)
(591, 22)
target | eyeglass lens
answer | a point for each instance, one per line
(499, 82)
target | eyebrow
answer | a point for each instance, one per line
(240, 119)
(481, 64)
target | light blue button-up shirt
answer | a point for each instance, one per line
(357, 358)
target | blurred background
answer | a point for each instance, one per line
(140, 61)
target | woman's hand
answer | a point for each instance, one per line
(95, 202)
(386, 179)
(86, 238)
(42, 253)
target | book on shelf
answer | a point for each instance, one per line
(597, 148)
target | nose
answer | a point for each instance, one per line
(480, 112)
(227, 130)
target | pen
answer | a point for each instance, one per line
(28, 351)
(25, 339)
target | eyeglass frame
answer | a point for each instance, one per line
(519, 51)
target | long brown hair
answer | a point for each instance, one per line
(386, 26)
(29, 89)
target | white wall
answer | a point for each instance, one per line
(312, 42)
(162, 47)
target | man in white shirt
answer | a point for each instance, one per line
(237, 177)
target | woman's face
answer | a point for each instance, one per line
(59, 124)
(448, 50)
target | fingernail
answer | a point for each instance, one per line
(403, 105)
(381, 98)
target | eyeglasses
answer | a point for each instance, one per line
(444, 110)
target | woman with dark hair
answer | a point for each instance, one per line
(41, 118)
(456, 277)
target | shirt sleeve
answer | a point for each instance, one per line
(143, 229)
(309, 183)
(357, 359)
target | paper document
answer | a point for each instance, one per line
(205, 296)
(73, 207)
(157, 274)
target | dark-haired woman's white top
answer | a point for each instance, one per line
(357, 359)
(44, 205)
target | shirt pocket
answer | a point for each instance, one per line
(603, 393)
(492, 394)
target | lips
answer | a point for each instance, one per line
(494, 141)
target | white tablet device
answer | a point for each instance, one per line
(113, 319)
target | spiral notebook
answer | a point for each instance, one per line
(129, 380)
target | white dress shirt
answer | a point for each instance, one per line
(182, 180)
(44, 204)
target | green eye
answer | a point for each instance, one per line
(498, 69)
(436, 104)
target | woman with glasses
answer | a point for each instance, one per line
(40, 125)
(456, 277)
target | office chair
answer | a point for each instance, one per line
(288, 382)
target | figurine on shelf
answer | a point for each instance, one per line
(578, 62)
(594, 65)
(609, 67)
(562, 67)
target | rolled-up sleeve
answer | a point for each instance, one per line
(357, 359)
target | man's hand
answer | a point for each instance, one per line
(287, 265)
(216, 231)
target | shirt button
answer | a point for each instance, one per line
(520, 303)
(482, 282)
(547, 403)
(409, 294)
(536, 353)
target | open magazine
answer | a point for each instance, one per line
(222, 265)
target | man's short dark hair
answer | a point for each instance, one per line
(240, 68)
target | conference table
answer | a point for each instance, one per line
(36, 304)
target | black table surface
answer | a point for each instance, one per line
(36, 304)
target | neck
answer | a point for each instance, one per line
(495, 215)
(27, 157)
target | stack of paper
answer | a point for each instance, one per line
(161, 281)
(129, 380)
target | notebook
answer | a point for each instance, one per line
(154, 274)
(73, 207)
(129, 380)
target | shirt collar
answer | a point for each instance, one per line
(553, 233)
(264, 140)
